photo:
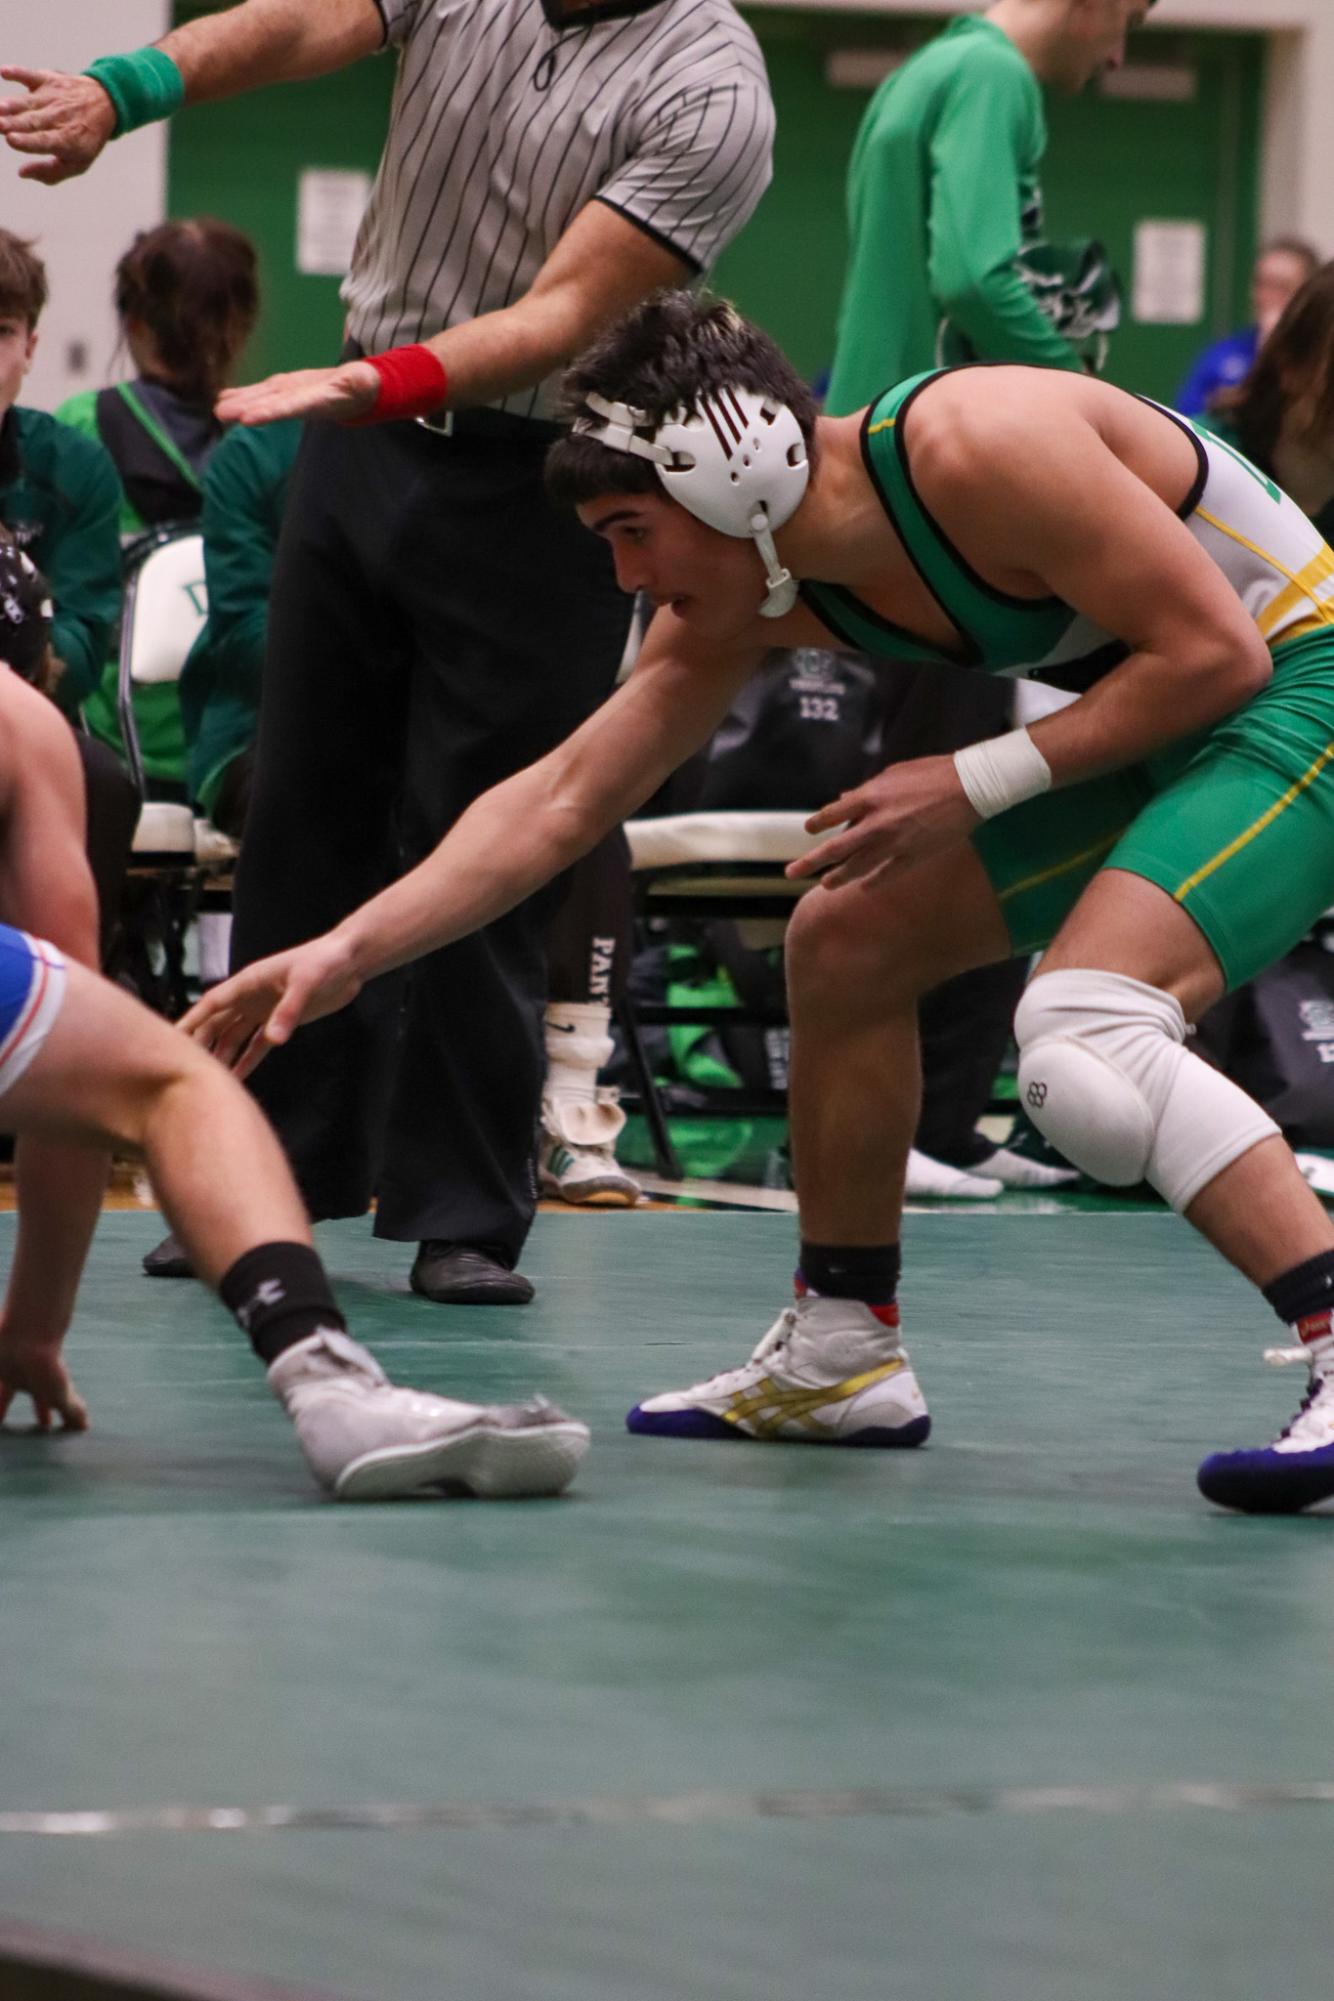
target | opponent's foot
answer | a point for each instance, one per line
(1016, 1170)
(828, 1372)
(366, 1439)
(467, 1275)
(1297, 1470)
(169, 1259)
(576, 1158)
(939, 1182)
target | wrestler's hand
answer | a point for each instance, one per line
(66, 120)
(263, 1005)
(34, 1369)
(902, 815)
(330, 395)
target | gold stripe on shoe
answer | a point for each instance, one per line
(799, 1406)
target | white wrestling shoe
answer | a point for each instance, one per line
(937, 1181)
(1297, 1470)
(828, 1372)
(576, 1153)
(1013, 1170)
(365, 1439)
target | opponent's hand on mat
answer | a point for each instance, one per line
(36, 1370)
(67, 120)
(332, 394)
(263, 1005)
(902, 815)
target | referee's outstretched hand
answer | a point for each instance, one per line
(263, 1005)
(336, 395)
(65, 120)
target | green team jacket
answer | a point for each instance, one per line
(245, 487)
(943, 197)
(60, 498)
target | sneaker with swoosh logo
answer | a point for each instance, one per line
(828, 1372)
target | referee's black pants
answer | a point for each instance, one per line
(434, 626)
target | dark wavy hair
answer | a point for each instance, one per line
(1296, 361)
(195, 286)
(665, 354)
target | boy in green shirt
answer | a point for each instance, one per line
(947, 261)
(59, 494)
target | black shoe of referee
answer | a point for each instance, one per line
(468, 1275)
(169, 1259)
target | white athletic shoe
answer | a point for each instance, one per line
(1013, 1170)
(576, 1158)
(365, 1439)
(935, 1179)
(828, 1372)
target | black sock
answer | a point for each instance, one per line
(1305, 1290)
(869, 1272)
(279, 1294)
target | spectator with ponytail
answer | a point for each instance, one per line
(1282, 416)
(187, 298)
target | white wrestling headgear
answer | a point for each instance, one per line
(738, 463)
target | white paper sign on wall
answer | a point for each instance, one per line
(1168, 288)
(330, 205)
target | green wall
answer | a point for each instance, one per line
(1110, 163)
(241, 159)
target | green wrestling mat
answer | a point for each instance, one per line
(1016, 1716)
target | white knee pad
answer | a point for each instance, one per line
(1103, 1074)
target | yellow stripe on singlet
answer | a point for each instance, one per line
(1316, 622)
(1301, 583)
(1318, 571)
(1059, 868)
(885, 424)
(1266, 819)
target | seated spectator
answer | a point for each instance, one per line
(1280, 269)
(187, 297)
(245, 490)
(59, 504)
(1282, 416)
(59, 495)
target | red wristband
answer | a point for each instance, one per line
(413, 383)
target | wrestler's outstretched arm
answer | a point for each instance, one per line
(507, 844)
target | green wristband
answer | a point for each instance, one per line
(143, 87)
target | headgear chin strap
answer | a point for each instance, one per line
(738, 463)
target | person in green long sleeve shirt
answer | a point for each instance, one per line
(245, 490)
(947, 261)
(59, 494)
(947, 264)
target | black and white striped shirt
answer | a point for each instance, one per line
(504, 126)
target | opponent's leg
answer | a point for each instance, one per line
(833, 1369)
(109, 1072)
(1105, 1074)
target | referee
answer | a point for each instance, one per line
(435, 625)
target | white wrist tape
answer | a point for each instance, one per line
(1002, 772)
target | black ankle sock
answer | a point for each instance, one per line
(1308, 1288)
(869, 1272)
(279, 1294)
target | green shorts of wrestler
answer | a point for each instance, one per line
(1236, 824)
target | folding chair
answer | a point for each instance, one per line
(706, 865)
(165, 608)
